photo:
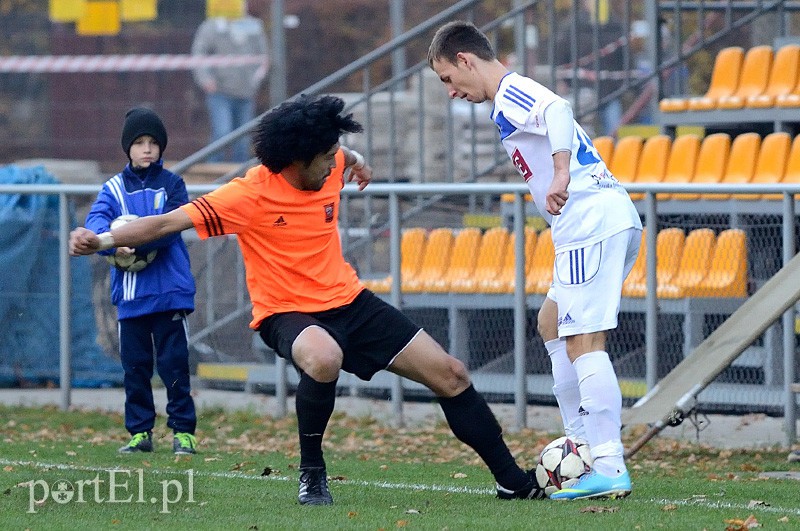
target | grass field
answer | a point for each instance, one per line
(61, 470)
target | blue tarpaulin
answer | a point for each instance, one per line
(29, 284)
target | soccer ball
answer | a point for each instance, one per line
(561, 463)
(135, 262)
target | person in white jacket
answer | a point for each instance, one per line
(231, 90)
(596, 233)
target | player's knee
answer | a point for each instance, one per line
(320, 358)
(454, 379)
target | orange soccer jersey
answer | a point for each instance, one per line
(289, 240)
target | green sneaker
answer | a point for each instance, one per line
(184, 444)
(140, 442)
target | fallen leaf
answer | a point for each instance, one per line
(412, 511)
(352, 514)
(8, 468)
(670, 507)
(459, 475)
(402, 523)
(71, 453)
(783, 519)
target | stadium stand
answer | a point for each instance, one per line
(681, 162)
(626, 158)
(605, 147)
(412, 247)
(693, 266)
(792, 166)
(434, 260)
(727, 274)
(741, 162)
(653, 161)
(752, 79)
(782, 78)
(724, 80)
(461, 264)
(491, 253)
(540, 274)
(712, 160)
(669, 247)
(771, 163)
(505, 281)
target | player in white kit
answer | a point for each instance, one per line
(596, 233)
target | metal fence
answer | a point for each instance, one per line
(494, 334)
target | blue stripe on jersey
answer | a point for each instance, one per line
(515, 95)
(506, 127)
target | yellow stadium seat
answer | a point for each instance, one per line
(681, 162)
(792, 175)
(771, 164)
(639, 268)
(626, 158)
(741, 162)
(724, 79)
(605, 147)
(462, 261)
(434, 260)
(727, 274)
(693, 267)
(493, 246)
(669, 246)
(752, 79)
(711, 162)
(782, 77)
(540, 274)
(505, 281)
(412, 246)
(652, 161)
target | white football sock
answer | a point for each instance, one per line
(566, 389)
(601, 404)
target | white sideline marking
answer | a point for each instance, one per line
(705, 503)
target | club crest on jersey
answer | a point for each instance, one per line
(522, 166)
(329, 213)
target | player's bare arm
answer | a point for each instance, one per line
(360, 171)
(83, 241)
(557, 195)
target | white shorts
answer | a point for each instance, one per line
(587, 283)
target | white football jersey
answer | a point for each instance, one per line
(598, 206)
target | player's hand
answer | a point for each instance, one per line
(125, 252)
(82, 241)
(362, 176)
(556, 199)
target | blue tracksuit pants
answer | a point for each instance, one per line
(164, 335)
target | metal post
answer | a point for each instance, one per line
(64, 297)
(651, 302)
(397, 21)
(520, 311)
(278, 72)
(790, 412)
(394, 268)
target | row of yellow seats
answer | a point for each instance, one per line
(700, 264)
(760, 78)
(466, 261)
(715, 158)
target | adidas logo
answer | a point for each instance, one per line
(280, 222)
(582, 412)
(566, 320)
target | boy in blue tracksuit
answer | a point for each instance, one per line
(152, 303)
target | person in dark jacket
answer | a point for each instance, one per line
(152, 302)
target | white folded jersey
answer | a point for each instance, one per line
(598, 206)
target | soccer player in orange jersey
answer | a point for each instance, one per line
(308, 304)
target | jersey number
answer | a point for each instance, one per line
(587, 154)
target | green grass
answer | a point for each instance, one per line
(245, 478)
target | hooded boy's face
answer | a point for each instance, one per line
(144, 151)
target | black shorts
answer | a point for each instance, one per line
(369, 331)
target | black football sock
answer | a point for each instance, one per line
(474, 424)
(314, 403)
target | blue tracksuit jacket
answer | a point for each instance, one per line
(167, 283)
